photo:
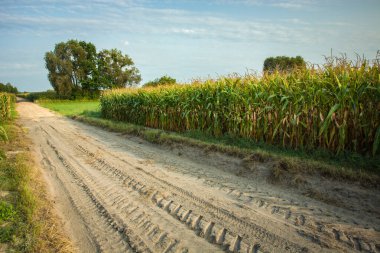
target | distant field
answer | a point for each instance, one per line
(71, 108)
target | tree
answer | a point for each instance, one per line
(164, 80)
(89, 66)
(283, 63)
(116, 70)
(9, 88)
(75, 67)
(68, 66)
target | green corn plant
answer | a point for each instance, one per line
(3, 134)
(334, 107)
(7, 102)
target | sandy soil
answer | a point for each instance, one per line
(121, 194)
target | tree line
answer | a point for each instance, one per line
(9, 88)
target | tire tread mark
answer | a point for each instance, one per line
(132, 240)
(220, 213)
(286, 213)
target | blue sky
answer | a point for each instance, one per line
(182, 38)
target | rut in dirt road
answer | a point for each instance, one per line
(120, 194)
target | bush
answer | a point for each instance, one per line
(164, 80)
(283, 63)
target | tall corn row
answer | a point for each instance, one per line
(6, 103)
(336, 108)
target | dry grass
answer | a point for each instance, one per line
(38, 228)
(49, 227)
(323, 197)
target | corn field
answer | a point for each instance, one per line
(334, 107)
(6, 103)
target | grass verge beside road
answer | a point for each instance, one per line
(70, 107)
(27, 220)
(348, 166)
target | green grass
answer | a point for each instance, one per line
(17, 205)
(26, 218)
(70, 107)
(347, 166)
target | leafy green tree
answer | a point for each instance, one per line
(164, 80)
(283, 63)
(75, 68)
(68, 67)
(9, 88)
(89, 66)
(116, 70)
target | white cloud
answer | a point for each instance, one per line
(18, 66)
(126, 43)
(45, 20)
(143, 20)
(156, 21)
(287, 4)
(188, 31)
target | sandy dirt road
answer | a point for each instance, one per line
(121, 194)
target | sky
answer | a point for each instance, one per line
(182, 38)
